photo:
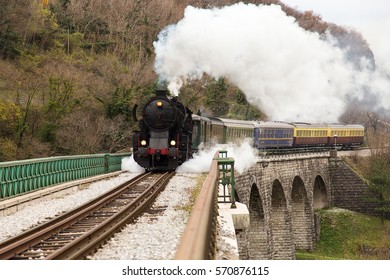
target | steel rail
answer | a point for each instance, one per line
(91, 240)
(18, 244)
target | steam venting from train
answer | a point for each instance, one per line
(201, 161)
(288, 72)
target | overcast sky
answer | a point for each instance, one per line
(345, 11)
(370, 17)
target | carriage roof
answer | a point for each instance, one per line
(345, 126)
(199, 118)
(237, 123)
(216, 121)
(276, 125)
(327, 126)
(310, 125)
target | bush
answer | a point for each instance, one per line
(8, 150)
(10, 115)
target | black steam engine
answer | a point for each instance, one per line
(164, 140)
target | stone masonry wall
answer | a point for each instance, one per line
(278, 202)
(349, 190)
(282, 194)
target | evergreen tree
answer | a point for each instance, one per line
(216, 94)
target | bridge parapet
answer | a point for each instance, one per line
(214, 205)
(18, 177)
(288, 156)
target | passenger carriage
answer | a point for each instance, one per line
(200, 131)
(347, 136)
(237, 130)
(306, 134)
(273, 135)
(217, 131)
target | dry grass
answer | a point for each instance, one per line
(350, 235)
(193, 194)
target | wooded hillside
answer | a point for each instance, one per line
(71, 72)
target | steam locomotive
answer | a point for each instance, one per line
(169, 133)
(164, 139)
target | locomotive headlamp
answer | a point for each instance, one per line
(173, 142)
(159, 104)
(143, 143)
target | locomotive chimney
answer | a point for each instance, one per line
(161, 90)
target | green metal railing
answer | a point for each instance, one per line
(17, 177)
(226, 174)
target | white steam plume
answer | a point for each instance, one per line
(289, 72)
(244, 156)
(129, 164)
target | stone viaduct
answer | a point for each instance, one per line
(282, 194)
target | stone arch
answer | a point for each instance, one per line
(257, 235)
(320, 193)
(301, 215)
(280, 224)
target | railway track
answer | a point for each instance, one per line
(80, 232)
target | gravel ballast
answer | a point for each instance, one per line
(154, 235)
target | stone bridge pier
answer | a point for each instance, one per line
(281, 195)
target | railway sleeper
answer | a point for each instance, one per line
(92, 220)
(52, 247)
(104, 214)
(36, 252)
(70, 233)
(57, 241)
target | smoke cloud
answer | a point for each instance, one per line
(129, 164)
(288, 72)
(244, 156)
